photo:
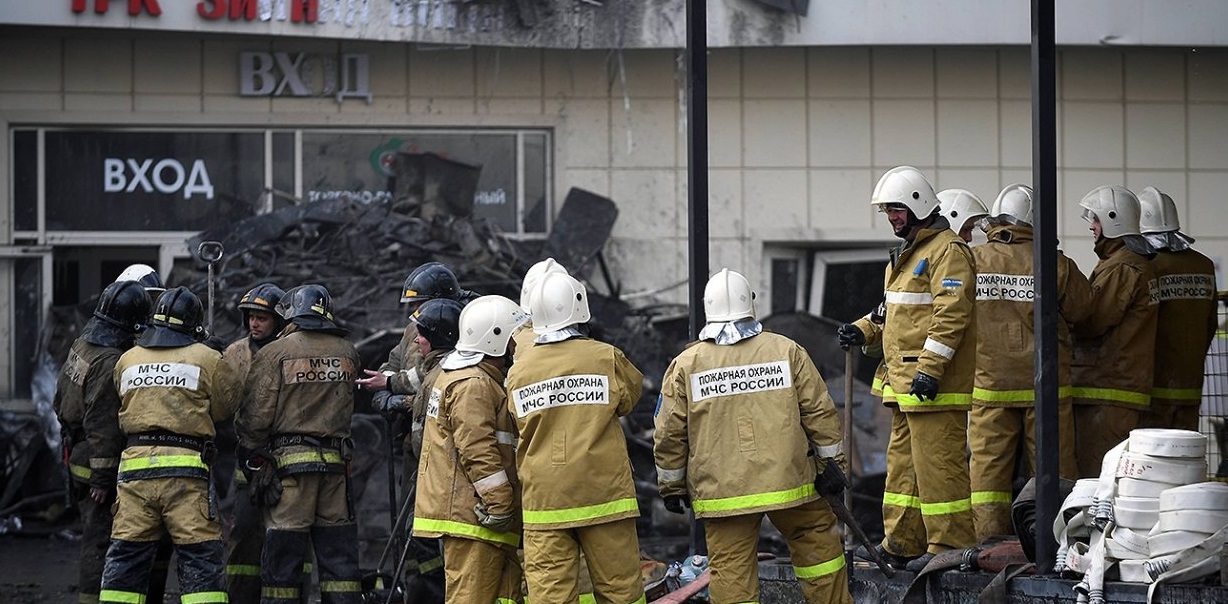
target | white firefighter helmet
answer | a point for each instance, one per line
(1014, 203)
(905, 185)
(146, 276)
(1115, 207)
(487, 323)
(1159, 212)
(960, 206)
(558, 301)
(728, 297)
(535, 273)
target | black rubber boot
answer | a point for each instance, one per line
(336, 550)
(281, 566)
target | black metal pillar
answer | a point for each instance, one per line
(1044, 215)
(697, 182)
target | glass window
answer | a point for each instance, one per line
(27, 300)
(151, 181)
(25, 180)
(785, 284)
(283, 165)
(365, 167)
(536, 189)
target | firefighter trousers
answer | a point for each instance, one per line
(927, 507)
(96, 538)
(611, 549)
(480, 572)
(1164, 414)
(995, 435)
(814, 544)
(1100, 428)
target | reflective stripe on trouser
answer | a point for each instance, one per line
(336, 549)
(127, 572)
(281, 566)
(902, 525)
(994, 435)
(611, 550)
(814, 545)
(480, 572)
(1165, 414)
(1100, 428)
(243, 549)
(938, 439)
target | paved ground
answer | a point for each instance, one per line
(38, 569)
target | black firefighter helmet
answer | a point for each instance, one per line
(310, 307)
(438, 321)
(122, 311)
(429, 281)
(178, 320)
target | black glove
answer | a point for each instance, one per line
(831, 480)
(265, 487)
(676, 503)
(850, 336)
(924, 387)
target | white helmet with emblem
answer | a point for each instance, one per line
(1014, 204)
(558, 301)
(487, 323)
(728, 297)
(905, 185)
(960, 206)
(1115, 207)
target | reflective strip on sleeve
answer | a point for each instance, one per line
(944, 399)
(340, 587)
(1180, 394)
(825, 451)
(505, 438)
(664, 475)
(122, 597)
(1112, 394)
(901, 501)
(204, 597)
(102, 463)
(909, 298)
(427, 566)
(162, 461)
(946, 507)
(588, 512)
(81, 472)
(983, 497)
(939, 348)
(1014, 396)
(818, 570)
(742, 502)
(493, 481)
(460, 529)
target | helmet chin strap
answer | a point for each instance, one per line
(910, 227)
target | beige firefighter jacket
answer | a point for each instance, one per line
(302, 383)
(183, 391)
(567, 397)
(430, 369)
(1114, 356)
(239, 355)
(1005, 300)
(1185, 325)
(402, 359)
(930, 288)
(468, 457)
(741, 428)
(87, 405)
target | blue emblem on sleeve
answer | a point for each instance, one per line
(658, 409)
(951, 283)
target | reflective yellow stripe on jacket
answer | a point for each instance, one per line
(1014, 396)
(758, 500)
(162, 461)
(1112, 394)
(590, 512)
(460, 529)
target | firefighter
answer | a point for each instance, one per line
(963, 210)
(744, 429)
(1003, 400)
(174, 388)
(294, 433)
(567, 392)
(87, 405)
(146, 276)
(246, 540)
(929, 346)
(467, 475)
(1186, 322)
(1114, 355)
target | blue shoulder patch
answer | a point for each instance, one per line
(952, 283)
(658, 409)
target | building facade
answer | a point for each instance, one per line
(126, 131)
